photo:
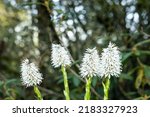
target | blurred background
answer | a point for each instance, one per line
(28, 27)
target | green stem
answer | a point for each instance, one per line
(106, 87)
(37, 92)
(88, 86)
(66, 91)
(142, 42)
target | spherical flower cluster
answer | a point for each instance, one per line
(30, 74)
(90, 63)
(60, 56)
(110, 61)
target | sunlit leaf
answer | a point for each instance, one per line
(139, 78)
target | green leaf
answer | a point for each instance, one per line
(147, 71)
(76, 81)
(12, 81)
(144, 52)
(137, 53)
(60, 80)
(1, 83)
(59, 11)
(94, 81)
(125, 56)
(126, 76)
(139, 78)
(9, 98)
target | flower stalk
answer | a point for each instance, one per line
(31, 77)
(87, 89)
(89, 68)
(38, 93)
(110, 66)
(106, 87)
(66, 86)
(60, 58)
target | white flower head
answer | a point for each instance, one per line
(30, 74)
(110, 61)
(60, 56)
(90, 63)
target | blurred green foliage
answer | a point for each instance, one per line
(28, 27)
